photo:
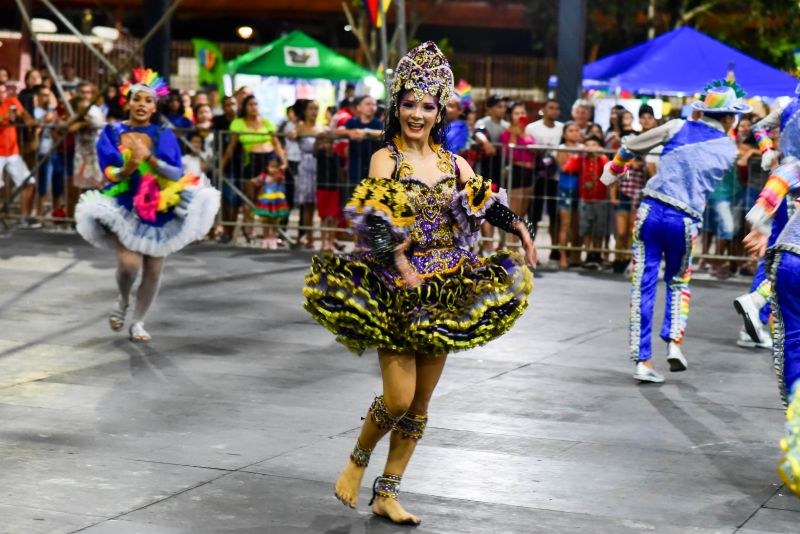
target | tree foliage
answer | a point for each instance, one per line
(768, 30)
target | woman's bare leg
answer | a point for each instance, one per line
(408, 430)
(146, 295)
(399, 373)
(308, 222)
(128, 265)
(564, 227)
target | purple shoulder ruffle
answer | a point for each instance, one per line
(469, 208)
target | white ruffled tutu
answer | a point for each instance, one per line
(101, 221)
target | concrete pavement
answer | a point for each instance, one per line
(241, 412)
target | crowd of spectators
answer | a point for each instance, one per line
(550, 169)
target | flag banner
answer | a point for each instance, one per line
(210, 66)
(373, 11)
(295, 56)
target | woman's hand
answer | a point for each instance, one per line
(529, 248)
(410, 277)
(756, 244)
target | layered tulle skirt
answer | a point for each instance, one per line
(103, 220)
(464, 301)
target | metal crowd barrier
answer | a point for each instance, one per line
(333, 165)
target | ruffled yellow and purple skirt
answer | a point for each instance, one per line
(464, 301)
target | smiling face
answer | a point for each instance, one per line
(142, 106)
(417, 118)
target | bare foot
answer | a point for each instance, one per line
(349, 484)
(392, 510)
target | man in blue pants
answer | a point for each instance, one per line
(753, 306)
(695, 157)
(783, 272)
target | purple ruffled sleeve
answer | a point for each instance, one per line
(469, 208)
(382, 197)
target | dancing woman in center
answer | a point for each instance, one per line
(413, 292)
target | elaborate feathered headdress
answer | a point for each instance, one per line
(146, 80)
(722, 96)
(425, 71)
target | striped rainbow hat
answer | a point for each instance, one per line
(722, 97)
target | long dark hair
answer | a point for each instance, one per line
(300, 106)
(393, 128)
(243, 111)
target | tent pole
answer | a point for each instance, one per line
(571, 37)
(384, 49)
(400, 7)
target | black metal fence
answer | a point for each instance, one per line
(575, 214)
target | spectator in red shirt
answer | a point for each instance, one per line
(592, 199)
(11, 163)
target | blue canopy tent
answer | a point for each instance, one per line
(684, 61)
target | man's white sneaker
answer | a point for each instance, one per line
(748, 307)
(747, 342)
(676, 359)
(647, 374)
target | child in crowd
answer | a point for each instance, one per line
(329, 185)
(567, 191)
(271, 206)
(592, 198)
(193, 161)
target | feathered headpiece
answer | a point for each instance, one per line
(146, 80)
(722, 96)
(425, 71)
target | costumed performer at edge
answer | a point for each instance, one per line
(696, 155)
(754, 306)
(783, 273)
(415, 293)
(149, 208)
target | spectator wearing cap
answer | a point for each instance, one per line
(487, 132)
(349, 95)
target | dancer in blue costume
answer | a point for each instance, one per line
(696, 155)
(754, 306)
(783, 273)
(148, 208)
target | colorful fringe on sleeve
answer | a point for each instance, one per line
(784, 179)
(763, 140)
(622, 159)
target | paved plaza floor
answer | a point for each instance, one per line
(239, 415)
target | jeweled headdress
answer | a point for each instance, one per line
(425, 71)
(146, 80)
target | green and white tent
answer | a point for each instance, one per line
(297, 55)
